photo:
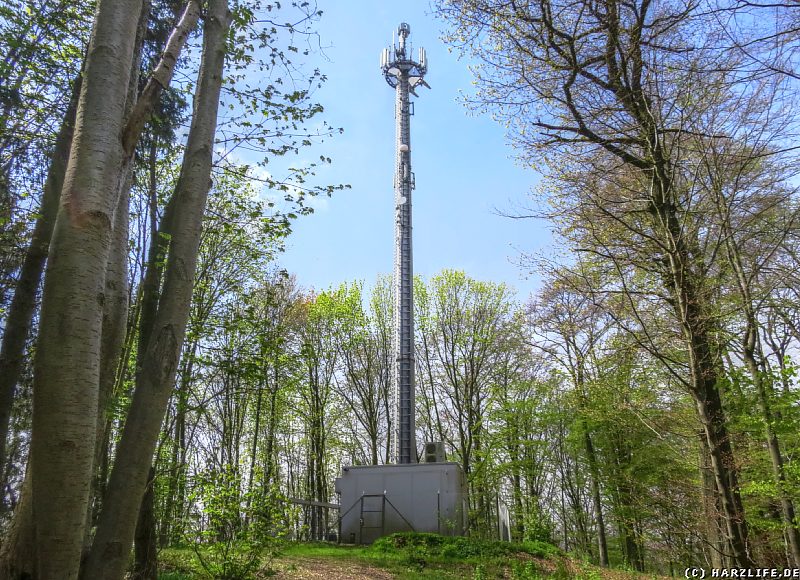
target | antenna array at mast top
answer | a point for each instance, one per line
(398, 58)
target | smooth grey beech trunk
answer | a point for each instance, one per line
(23, 305)
(145, 565)
(17, 559)
(115, 306)
(115, 314)
(66, 367)
(71, 331)
(17, 553)
(110, 552)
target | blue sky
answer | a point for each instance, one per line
(465, 171)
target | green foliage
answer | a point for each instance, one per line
(760, 490)
(428, 546)
(424, 555)
(174, 576)
(594, 574)
(42, 46)
(178, 564)
(479, 573)
(538, 527)
(269, 116)
(415, 557)
(562, 571)
(41, 53)
(524, 571)
(236, 529)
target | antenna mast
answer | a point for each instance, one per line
(403, 74)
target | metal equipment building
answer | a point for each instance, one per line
(419, 497)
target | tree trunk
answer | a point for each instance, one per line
(602, 545)
(254, 450)
(709, 408)
(519, 515)
(269, 460)
(690, 302)
(66, 368)
(115, 318)
(23, 305)
(512, 448)
(710, 499)
(776, 459)
(751, 347)
(597, 504)
(18, 553)
(145, 563)
(174, 499)
(632, 554)
(109, 553)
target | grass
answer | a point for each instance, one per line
(409, 556)
(416, 555)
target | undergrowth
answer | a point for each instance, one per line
(422, 555)
(460, 548)
(406, 555)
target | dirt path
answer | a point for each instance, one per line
(330, 569)
(327, 568)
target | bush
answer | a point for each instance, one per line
(416, 545)
(178, 564)
(231, 560)
(479, 573)
(174, 576)
(407, 540)
(415, 557)
(525, 571)
(238, 531)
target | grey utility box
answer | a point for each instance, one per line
(434, 452)
(377, 500)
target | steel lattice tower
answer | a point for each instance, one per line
(403, 74)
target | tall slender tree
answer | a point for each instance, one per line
(116, 526)
(598, 90)
(66, 369)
